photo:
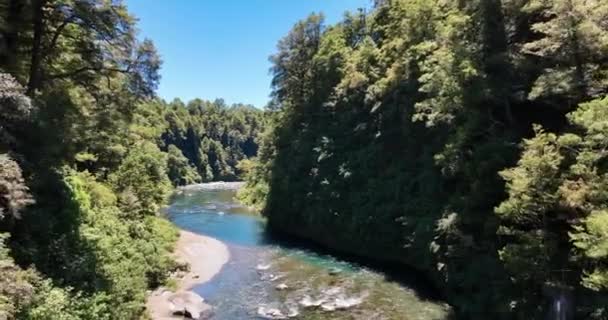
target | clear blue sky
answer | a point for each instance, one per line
(220, 48)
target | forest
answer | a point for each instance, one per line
(206, 141)
(89, 155)
(465, 139)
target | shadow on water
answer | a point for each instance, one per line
(394, 272)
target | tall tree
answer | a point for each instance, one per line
(572, 49)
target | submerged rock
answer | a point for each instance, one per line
(188, 304)
(333, 299)
(309, 302)
(262, 267)
(333, 291)
(293, 312)
(274, 277)
(334, 271)
(271, 313)
(282, 286)
(343, 303)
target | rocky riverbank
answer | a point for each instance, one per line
(205, 257)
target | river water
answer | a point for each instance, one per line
(266, 276)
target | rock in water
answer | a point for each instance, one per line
(333, 291)
(308, 302)
(275, 277)
(188, 304)
(293, 312)
(334, 271)
(282, 286)
(270, 313)
(343, 303)
(262, 267)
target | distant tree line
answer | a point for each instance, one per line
(212, 137)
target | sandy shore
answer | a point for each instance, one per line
(206, 257)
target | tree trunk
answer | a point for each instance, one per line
(36, 58)
(496, 63)
(577, 55)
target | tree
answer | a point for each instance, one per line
(572, 49)
(141, 180)
(15, 110)
(14, 194)
(555, 214)
(292, 72)
(16, 289)
(180, 170)
(71, 29)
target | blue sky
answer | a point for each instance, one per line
(220, 48)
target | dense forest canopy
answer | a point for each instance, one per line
(88, 155)
(212, 136)
(466, 139)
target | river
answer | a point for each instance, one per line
(266, 275)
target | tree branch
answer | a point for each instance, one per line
(60, 28)
(84, 69)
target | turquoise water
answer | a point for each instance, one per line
(265, 273)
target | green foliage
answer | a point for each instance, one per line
(99, 155)
(14, 194)
(111, 261)
(556, 212)
(574, 38)
(406, 122)
(533, 184)
(56, 303)
(82, 133)
(181, 172)
(15, 109)
(15, 287)
(141, 180)
(212, 136)
(403, 122)
(255, 191)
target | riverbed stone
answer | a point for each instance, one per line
(189, 304)
(271, 313)
(334, 271)
(282, 286)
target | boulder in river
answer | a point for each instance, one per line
(188, 304)
(282, 286)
